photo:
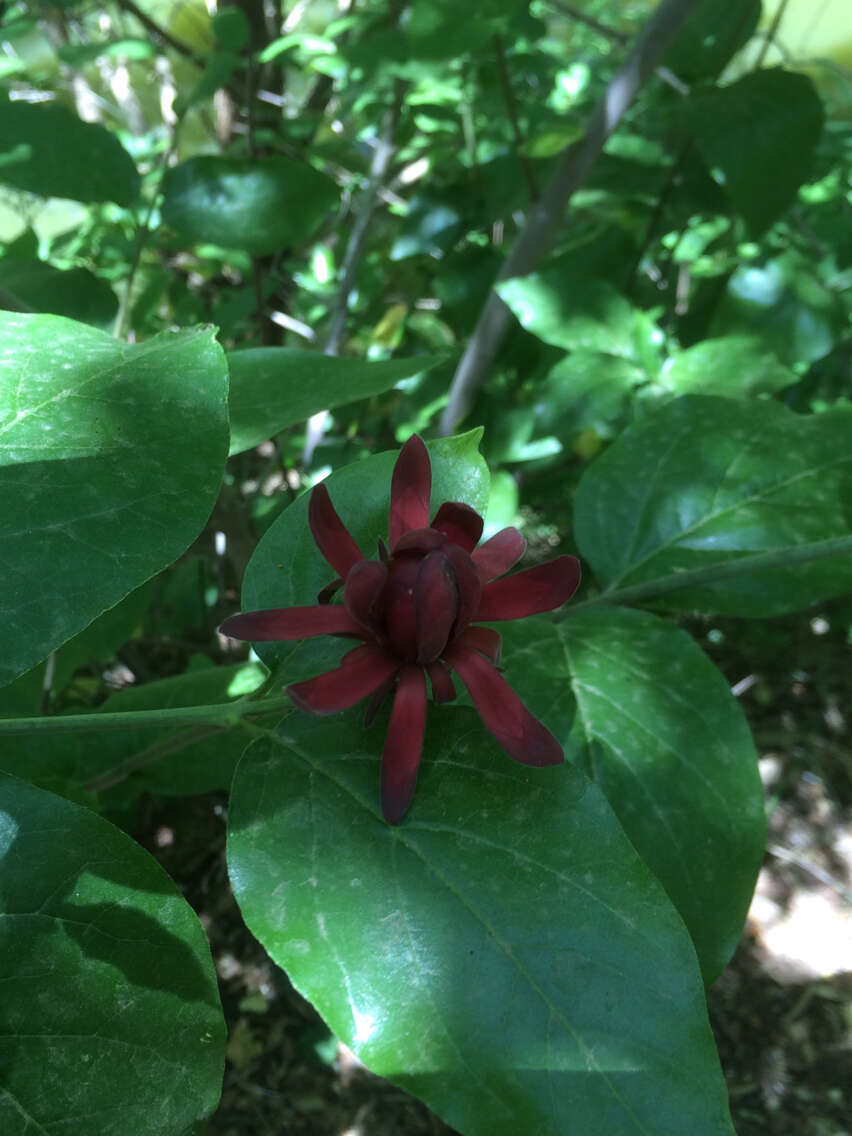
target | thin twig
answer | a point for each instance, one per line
(536, 238)
(382, 156)
(149, 756)
(512, 113)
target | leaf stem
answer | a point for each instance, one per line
(220, 716)
(725, 570)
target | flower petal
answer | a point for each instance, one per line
(543, 588)
(436, 605)
(459, 524)
(403, 744)
(291, 623)
(521, 735)
(332, 537)
(498, 555)
(419, 540)
(468, 584)
(482, 639)
(411, 488)
(364, 586)
(360, 673)
(442, 682)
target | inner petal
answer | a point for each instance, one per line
(436, 605)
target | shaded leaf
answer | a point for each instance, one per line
(111, 456)
(734, 366)
(707, 480)
(110, 1016)
(258, 206)
(47, 149)
(760, 133)
(274, 387)
(647, 715)
(504, 954)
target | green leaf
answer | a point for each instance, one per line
(735, 366)
(642, 710)
(568, 310)
(257, 206)
(111, 1021)
(759, 136)
(274, 387)
(705, 481)
(48, 150)
(66, 762)
(111, 457)
(287, 569)
(714, 32)
(33, 286)
(504, 954)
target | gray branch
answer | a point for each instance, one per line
(535, 239)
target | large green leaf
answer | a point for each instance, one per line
(644, 712)
(48, 150)
(183, 760)
(705, 481)
(110, 1015)
(288, 569)
(258, 206)
(111, 456)
(759, 136)
(274, 387)
(504, 954)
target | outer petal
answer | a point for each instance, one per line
(360, 673)
(403, 744)
(499, 554)
(331, 535)
(459, 524)
(482, 639)
(436, 605)
(411, 489)
(521, 735)
(442, 682)
(543, 588)
(291, 623)
(363, 593)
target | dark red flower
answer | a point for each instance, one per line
(414, 610)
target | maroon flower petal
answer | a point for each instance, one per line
(543, 588)
(376, 699)
(419, 540)
(411, 488)
(498, 555)
(403, 744)
(360, 673)
(331, 535)
(521, 735)
(468, 585)
(459, 524)
(436, 605)
(482, 639)
(442, 682)
(291, 623)
(364, 586)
